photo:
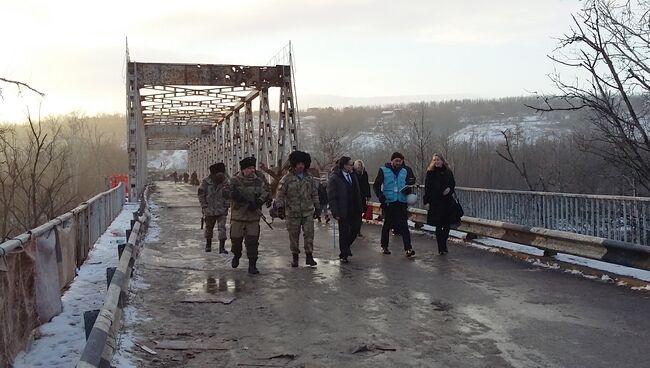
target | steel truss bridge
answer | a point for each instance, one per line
(207, 109)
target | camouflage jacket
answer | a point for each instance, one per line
(247, 195)
(298, 196)
(211, 195)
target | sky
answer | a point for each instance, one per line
(345, 50)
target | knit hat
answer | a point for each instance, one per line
(396, 155)
(219, 167)
(247, 162)
(299, 156)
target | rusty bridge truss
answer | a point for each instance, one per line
(207, 109)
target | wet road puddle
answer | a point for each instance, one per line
(215, 285)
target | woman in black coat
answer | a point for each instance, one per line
(438, 194)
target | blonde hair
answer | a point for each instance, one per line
(442, 158)
(359, 165)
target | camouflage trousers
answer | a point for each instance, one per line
(294, 225)
(220, 221)
(245, 232)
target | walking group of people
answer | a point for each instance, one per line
(185, 178)
(299, 197)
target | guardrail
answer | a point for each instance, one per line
(37, 265)
(101, 341)
(620, 218)
(625, 219)
(591, 247)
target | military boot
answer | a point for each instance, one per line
(235, 260)
(208, 245)
(310, 260)
(222, 246)
(252, 266)
(294, 263)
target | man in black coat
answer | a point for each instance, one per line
(344, 197)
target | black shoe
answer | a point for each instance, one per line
(410, 253)
(443, 252)
(235, 261)
(360, 235)
(208, 245)
(222, 247)
(294, 262)
(385, 250)
(310, 260)
(252, 266)
(344, 260)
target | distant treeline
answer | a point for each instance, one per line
(444, 116)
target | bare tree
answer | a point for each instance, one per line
(10, 169)
(330, 143)
(608, 48)
(41, 184)
(20, 85)
(421, 141)
(507, 151)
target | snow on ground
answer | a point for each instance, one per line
(532, 128)
(62, 340)
(367, 141)
(167, 160)
(124, 357)
(492, 245)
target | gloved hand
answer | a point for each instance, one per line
(269, 203)
(281, 213)
(317, 213)
(259, 202)
(446, 191)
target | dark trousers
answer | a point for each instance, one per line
(348, 231)
(442, 234)
(396, 217)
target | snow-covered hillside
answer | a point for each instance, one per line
(166, 160)
(532, 128)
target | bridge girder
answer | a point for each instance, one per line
(207, 109)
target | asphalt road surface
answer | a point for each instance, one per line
(470, 308)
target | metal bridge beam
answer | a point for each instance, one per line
(160, 74)
(198, 108)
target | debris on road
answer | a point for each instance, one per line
(209, 300)
(188, 345)
(372, 347)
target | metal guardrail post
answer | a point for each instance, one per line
(98, 351)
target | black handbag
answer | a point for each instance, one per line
(455, 212)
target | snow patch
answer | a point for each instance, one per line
(532, 129)
(62, 340)
(167, 160)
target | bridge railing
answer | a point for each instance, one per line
(620, 218)
(625, 219)
(38, 264)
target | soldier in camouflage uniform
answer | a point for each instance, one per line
(214, 206)
(297, 199)
(247, 190)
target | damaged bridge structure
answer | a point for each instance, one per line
(207, 109)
